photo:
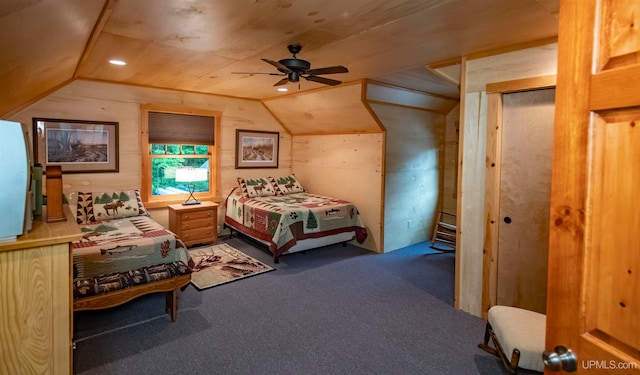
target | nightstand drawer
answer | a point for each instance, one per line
(198, 234)
(196, 223)
(189, 216)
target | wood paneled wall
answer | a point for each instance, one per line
(413, 173)
(526, 63)
(450, 162)
(349, 166)
(356, 159)
(89, 100)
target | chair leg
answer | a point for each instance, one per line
(487, 333)
(485, 345)
(435, 229)
(515, 359)
(511, 366)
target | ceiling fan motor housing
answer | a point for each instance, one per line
(293, 76)
(295, 65)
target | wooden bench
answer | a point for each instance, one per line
(516, 332)
(111, 290)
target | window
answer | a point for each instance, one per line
(174, 139)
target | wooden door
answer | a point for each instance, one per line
(525, 186)
(593, 305)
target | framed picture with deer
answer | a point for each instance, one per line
(76, 146)
(257, 149)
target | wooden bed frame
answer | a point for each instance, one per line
(170, 286)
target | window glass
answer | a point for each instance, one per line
(173, 149)
(164, 175)
(158, 149)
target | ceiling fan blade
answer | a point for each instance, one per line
(326, 81)
(282, 81)
(278, 65)
(253, 73)
(329, 70)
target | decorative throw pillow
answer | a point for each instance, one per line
(94, 207)
(256, 187)
(287, 185)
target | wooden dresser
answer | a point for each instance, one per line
(36, 317)
(196, 223)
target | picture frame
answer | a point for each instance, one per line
(257, 149)
(77, 146)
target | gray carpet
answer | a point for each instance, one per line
(334, 310)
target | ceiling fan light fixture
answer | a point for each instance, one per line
(283, 89)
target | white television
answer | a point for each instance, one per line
(15, 162)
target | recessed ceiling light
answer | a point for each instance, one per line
(283, 89)
(117, 62)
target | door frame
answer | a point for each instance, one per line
(495, 92)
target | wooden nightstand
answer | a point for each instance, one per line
(194, 224)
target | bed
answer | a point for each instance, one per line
(124, 253)
(278, 213)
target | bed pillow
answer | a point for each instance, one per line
(95, 207)
(256, 187)
(287, 185)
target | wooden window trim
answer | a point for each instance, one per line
(145, 148)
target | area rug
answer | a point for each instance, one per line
(219, 264)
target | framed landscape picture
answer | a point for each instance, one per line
(75, 145)
(257, 149)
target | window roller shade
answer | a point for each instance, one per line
(181, 129)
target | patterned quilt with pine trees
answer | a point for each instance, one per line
(282, 220)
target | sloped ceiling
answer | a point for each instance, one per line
(346, 108)
(196, 45)
(324, 111)
(41, 43)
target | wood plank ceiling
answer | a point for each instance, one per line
(195, 45)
